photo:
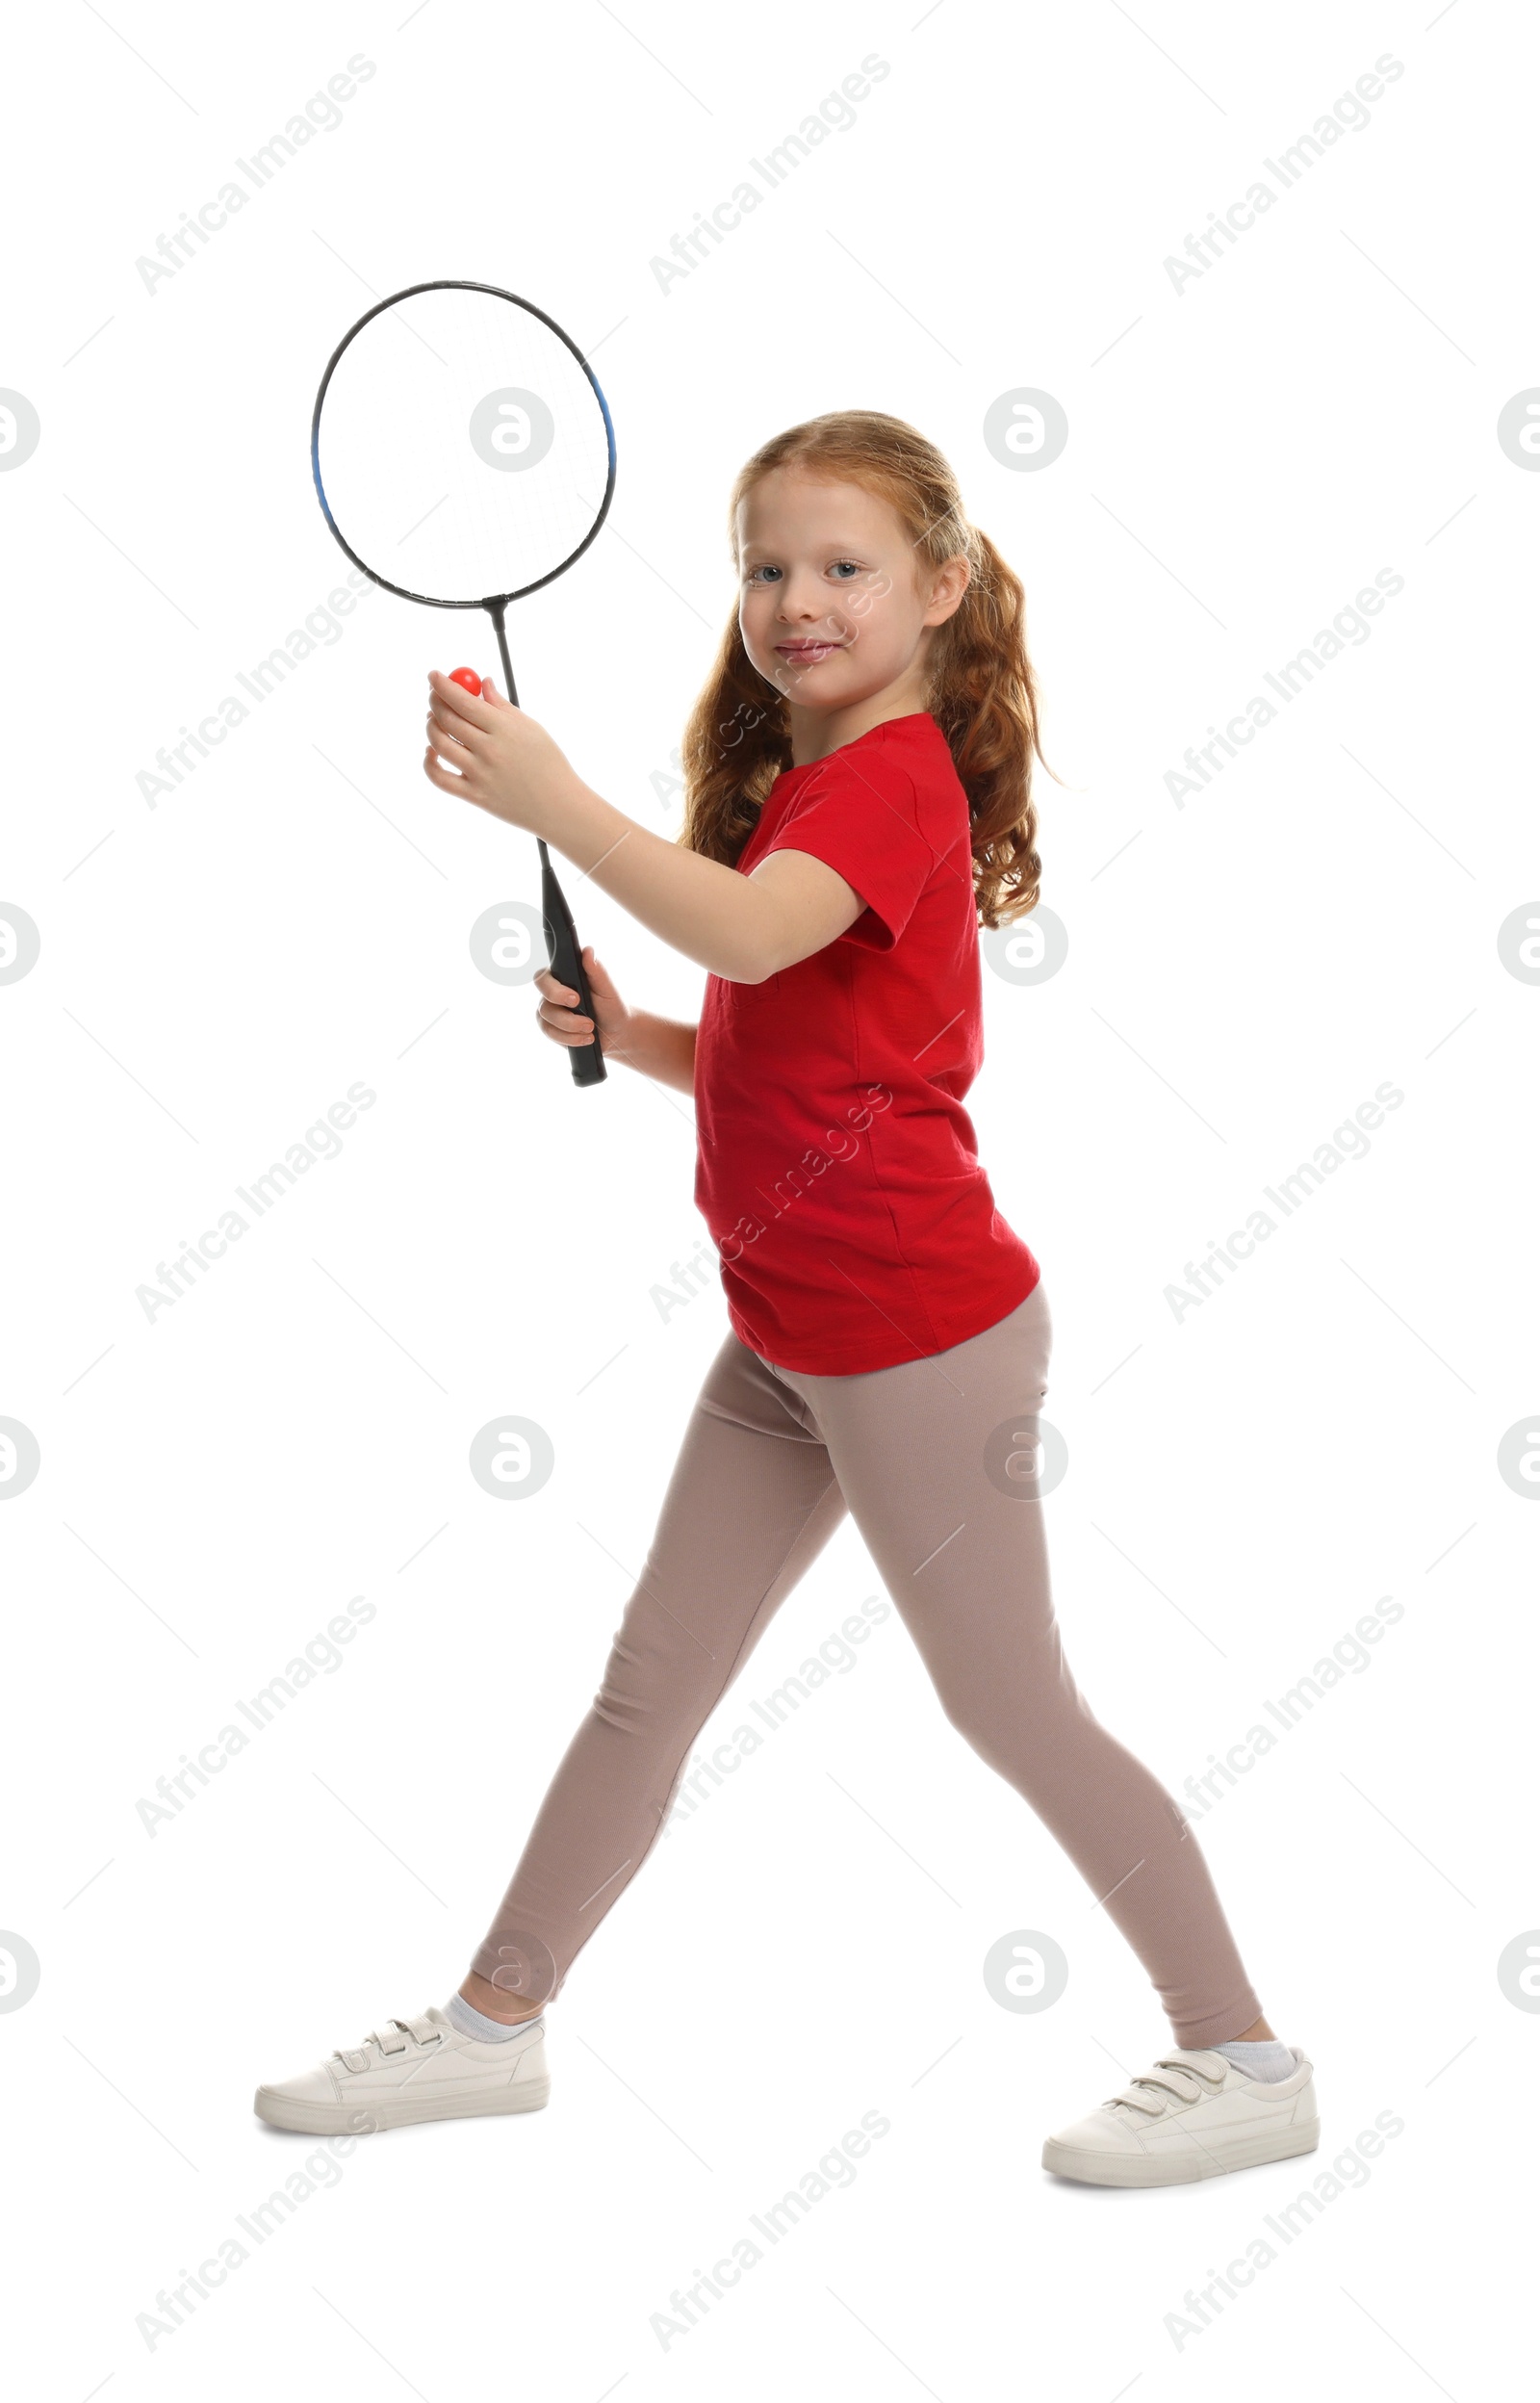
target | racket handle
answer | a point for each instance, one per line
(567, 962)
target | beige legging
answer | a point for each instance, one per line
(937, 1461)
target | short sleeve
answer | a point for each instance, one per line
(861, 819)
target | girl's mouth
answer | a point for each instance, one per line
(807, 654)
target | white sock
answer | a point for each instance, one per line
(471, 2021)
(1267, 2062)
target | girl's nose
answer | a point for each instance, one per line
(802, 606)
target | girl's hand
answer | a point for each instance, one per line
(492, 754)
(560, 1018)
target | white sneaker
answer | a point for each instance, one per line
(1193, 2115)
(410, 2070)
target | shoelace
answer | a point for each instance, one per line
(420, 2032)
(1172, 2079)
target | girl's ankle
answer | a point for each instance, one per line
(493, 2004)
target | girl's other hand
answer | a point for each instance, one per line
(560, 1018)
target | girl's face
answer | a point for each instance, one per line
(835, 607)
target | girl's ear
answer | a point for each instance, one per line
(950, 583)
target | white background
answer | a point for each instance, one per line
(1244, 454)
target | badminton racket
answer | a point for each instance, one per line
(464, 456)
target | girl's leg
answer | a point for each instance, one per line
(936, 1459)
(752, 1502)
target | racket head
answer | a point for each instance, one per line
(578, 444)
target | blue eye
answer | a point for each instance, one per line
(843, 564)
(755, 573)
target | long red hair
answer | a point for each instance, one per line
(983, 693)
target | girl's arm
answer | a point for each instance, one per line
(743, 928)
(662, 1048)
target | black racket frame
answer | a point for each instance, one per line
(561, 934)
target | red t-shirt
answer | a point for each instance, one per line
(838, 1169)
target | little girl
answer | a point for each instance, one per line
(857, 778)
